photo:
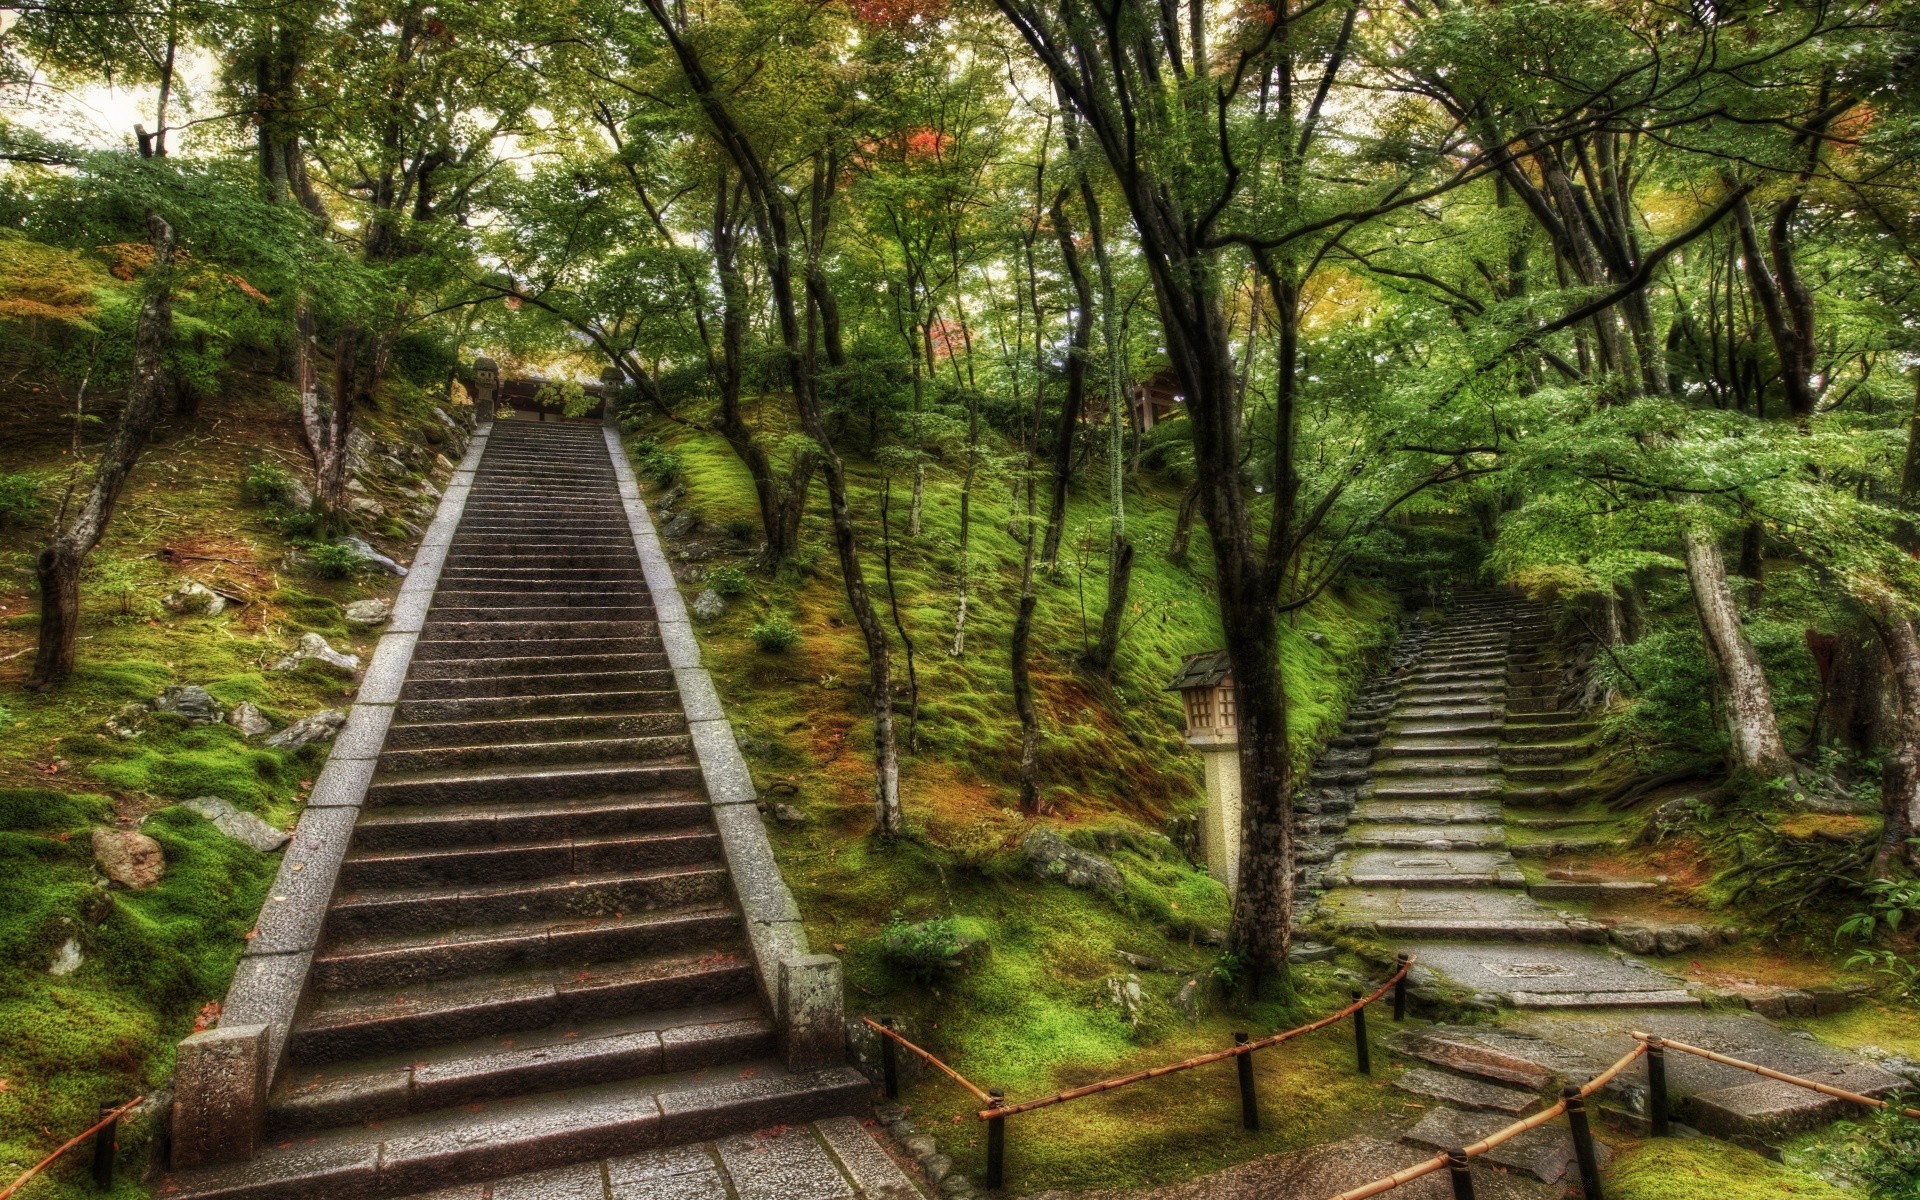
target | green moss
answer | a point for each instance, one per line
(150, 960)
(1707, 1169)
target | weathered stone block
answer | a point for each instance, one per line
(219, 1095)
(811, 1013)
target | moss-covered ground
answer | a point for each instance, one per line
(152, 960)
(1708, 1169)
(1029, 1009)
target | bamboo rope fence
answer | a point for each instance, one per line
(104, 1133)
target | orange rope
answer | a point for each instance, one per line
(1107, 1085)
(1428, 1166)
(952, 1074)
(1757, 1069)
(50, 1159)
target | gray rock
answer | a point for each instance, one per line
(1310, 952)
(1187, 1001)
(1126, 995)
(191, 701)
(681, 525)
(249, 720)
(888, 1112)
(360, 450)
(920, 1146)
(1466, 1093)
(313, 648)
(131, 859)
(957, 1187)
(365, 550)
(322, 726)
(937, 1167)
(1635, 939)
(787, 814)
(1049, 856)
(708, 605)
(299, 496)
(1213, 937)
(67, 959)
(368, 507)
(238, 825)
(190, 597)
(368, 614)
(126, 721)
(1141, 962)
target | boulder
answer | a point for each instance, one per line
(368, 507)
(299, 495)
(1187, 1001)
(129, 858)
(1126, 995)
(238, 825)
(249, 720)
(313, 648)
(787, 814)
(322, 726)
(1049, 856)
(368, 614)
(126, 721)
(191, 701)
(189, 597)
(708, 605)
(1140, 962)
(681, 525)
(66, 960)
(365, 550)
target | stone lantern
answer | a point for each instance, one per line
(611, 379)
(1205, 684)
(486, 384)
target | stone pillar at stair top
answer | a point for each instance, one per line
(1205, 684)
(612, 378)
(220, 1095)
(486, 383)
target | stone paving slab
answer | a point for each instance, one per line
(835, 1160)
(1462, 1092)
(1529, 975)
(1545, 1153)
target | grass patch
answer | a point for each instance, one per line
(1708, 1169)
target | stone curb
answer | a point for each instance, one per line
(220, 1093)
(803, 990)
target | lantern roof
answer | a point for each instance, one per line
(1201, 670)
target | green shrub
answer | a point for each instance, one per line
(774, 634)
(336, 562)
(923, 949)
(658, 463)
(19, 497)
(742, 529)
(729, 581)
(1881, 1153)
(266, 483)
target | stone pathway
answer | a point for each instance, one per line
(837, 1159)
(535, 953)
(1463, 733)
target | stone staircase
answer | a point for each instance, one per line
(533, 955)
(1464, 731)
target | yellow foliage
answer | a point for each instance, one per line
(40, 282)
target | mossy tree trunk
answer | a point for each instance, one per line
(78, 530)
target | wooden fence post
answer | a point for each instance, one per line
(1582, 1142)
(1360, 1050)
(1249, 1103)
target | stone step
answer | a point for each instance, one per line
(469, 559)
(1446, 727)
(1428, 869)
(1437, 746)
(415, 827)
(1427, 812)
(528, 729)
(474, 686)
(1518, 705)
(1428, 837)
(365, 1022)
(1557, 731)
(422, 709)
(464, 577)
(1549, 793)
(1566, 773)
(654, 748)
(544, 664)
(499, 862)
(1543, 753)
(370, 911)
(559, 627)
(433, 647)
(631, 597)
(551, 1059)
(405, 959)
(436, 1150)
(467, 787)
(1441, 788)
(1399, 765)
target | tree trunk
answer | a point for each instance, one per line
(76, 534)
(1745, 697)
(326, 416)
(1119, 577)
(1075, 400)
(1183, 525)
(1900, 764)
(899, 625)
(966, 524)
